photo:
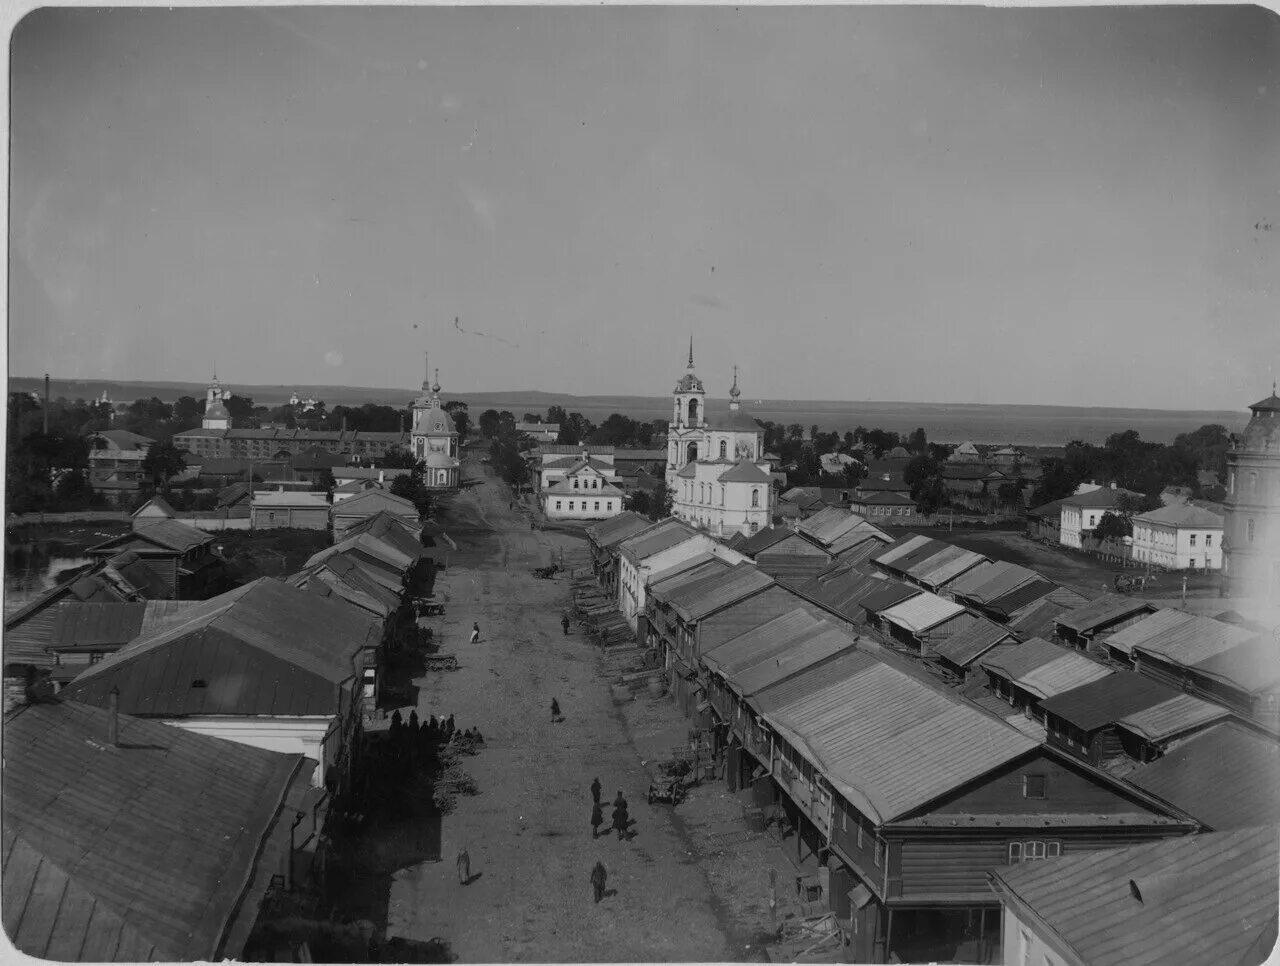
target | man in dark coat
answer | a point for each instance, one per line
(564, 622)
(555, 709)
(464, 867)
(449, 729)
(620, 819)
(597, 819)
(413, 723)
(599, 876)
(595, 791)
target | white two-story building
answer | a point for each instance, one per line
(1181, 537)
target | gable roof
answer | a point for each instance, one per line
(617, 529)
(963, 648)
(375, 501)
(1251, 666)
(903, 545)
(945, 565)
(1101, 499)
(1035, 619)
(766, 538)
(987, 582)
(1020, 596)
(752, 646)
(1176, 902)
(263, 649)
(816, 677)
(1175, 716)
(841, 589)
(1199, 515)
(1106, 700)
(147, 850)
(304, 499)
(1193, 641)
(719, 590)
(744, 471)
(156, 503)
(1226, 777)
(1027, 656)
(922, 612)
(1065, 672)
(661, 536)
(666, 582)
(1154, 624)
(891, 744)
(1105, 610)
(886, 595)
(815, 648)
(164, 535)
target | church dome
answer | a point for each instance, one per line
(437, 422)
(1262, 435)
(736, 420)
(689, 383)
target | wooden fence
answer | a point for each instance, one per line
(81, 516)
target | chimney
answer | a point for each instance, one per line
(113, 717)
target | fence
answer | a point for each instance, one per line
(81, 516)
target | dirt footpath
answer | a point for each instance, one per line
(528, 831)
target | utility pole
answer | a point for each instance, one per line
(46, 404)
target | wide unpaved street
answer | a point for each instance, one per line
(677, 898)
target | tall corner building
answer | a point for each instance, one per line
(1251, 536)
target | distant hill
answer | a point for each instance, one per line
(1028, 425)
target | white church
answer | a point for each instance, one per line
(716, 469)
(434, 438)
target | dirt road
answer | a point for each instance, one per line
(528, 831)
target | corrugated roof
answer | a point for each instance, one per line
(1191, 900)
(892, 744)
(266, 649)
(829, 525)
(1107, 700)
(680, 566)
(971, 643)
(1163, 619)
(1068, 671)
(920, 613)
(720, 591)
(145, 850)
(1175, 716)
(1105, 610)
(1193, 641)
(1227, 777)
(656, 539)
(945, 565)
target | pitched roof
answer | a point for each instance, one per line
(766, 538)
(666, 582)
(1104, 498)
(991, 581)
(565, 488)
(147, 850)
(374, 501)
(771, 637)
(1019, 597)
(886, 595)
(662, 536)
(1046, 510)
(815, 648)
(244, 645)
(1198, 515)
(1105, 610)
(971, 643)
(1175, 716)
(744, 471)
(1035, 619)
(1252, 666)
(945, 565)
(1027, 656)
(840, 589)
(1226, 777)
(616, 529)
(158, 503)
(1193, 641)
(922, 612)
(1176, 902)
(903, 545)
(305, 499)
(890, 743)
(812, 679)
(719, 590)
(921, 553)
(1106, 700)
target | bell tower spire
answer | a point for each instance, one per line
(735, 392)
(691, 352)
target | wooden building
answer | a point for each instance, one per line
(180, 556)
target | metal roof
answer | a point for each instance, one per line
(669, 581)
(1105, 610)
(920, 613)
(891, 743)
(945, 565)
(166, 534)
(1107, 700)
(263, 649)
(680, 566)
(1252, 666)
(1226, 776)
(1196, 515)
(862, 535)
(1177, 902)
(1035, 620)
(759, 641)
(1163, 619)
(816, 648)
(882, 597)
(661, 537)
(999, 581)
(905, 544)
(814, 678)
(917, 555)
(722, 590)
(834, 525)
(971, 643)
(142, 851)
(1019, 597)
(1175, 716)
(841, 589)
(78, 624)
(972, 579)
(374, 501)
(1027, 656)
(1194, 641)
(1068, 671)
(745, 471)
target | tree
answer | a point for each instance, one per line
(461, 418)
(240, 408)
(663, 499)
(556, 415)
(640, 502)
(575, 429)
(489, 423)
(1113, 525)
(324, 482)
(397, 458)
(531, 418)
(186, 409)
(917, 442)
(409, 486)
(880, 441)
(163, 462)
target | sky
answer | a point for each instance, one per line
(1073, 206)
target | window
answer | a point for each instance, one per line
(597, 504)
(859, 831)
(570, 504)
(844, 816)
(755, 498)
(1191, 562)
(557, 504)
(1093, 519)
(1193, 539)
(879, 854)
(1251, 531)
(1033, 851)
(1033, 786)
(722, 496)
(723, 449)
(95, 657)
(1208, 539)
(575, 482)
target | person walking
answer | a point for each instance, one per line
(555, 709)
(595, 791)
(475, 633)
(449, 729)
(564, 622)
(620, 819)
(599, 876)
(413, 723)
(597, 819)
(464, 867)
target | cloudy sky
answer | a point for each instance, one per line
(1073, 206)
